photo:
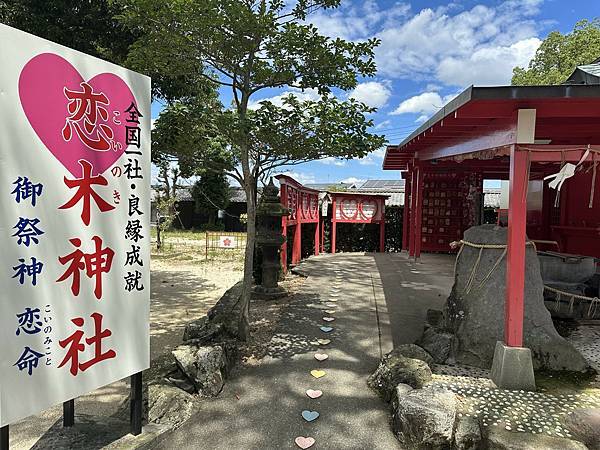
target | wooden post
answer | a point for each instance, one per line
(317, 239)
(135, 404)
(382, 236)
(515, 260)
(323, 235)
(69, 413)
(406, 211)
(206, 245)
(418, 212)
(284, 226)
(411, 223)
(4, 437)
(297, 246)
(333, 227)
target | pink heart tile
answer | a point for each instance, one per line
(321, 356)
(42, 89)
(304, 442)
(314, 393)
(328, 319)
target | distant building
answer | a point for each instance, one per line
(189, 218)
(392, 188)
(586, 74)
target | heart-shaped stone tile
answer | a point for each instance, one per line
(328, 319)
(324, 341)
(61, 126)
(334, 295)
(304, 442)
(321, 356)
(317, 373)
(326, 329)
(334, 300)
(312, 393)
(309, 416)
(330, 305)
(330, 311)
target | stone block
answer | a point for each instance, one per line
(512, 368)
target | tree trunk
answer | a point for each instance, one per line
(244, 325)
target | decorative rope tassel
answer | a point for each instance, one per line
(593, 307)
(571, 304)
(593, 190)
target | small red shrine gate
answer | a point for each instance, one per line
(303, 204)
(516, 133)
(350, 207)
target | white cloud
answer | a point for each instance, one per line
(383, 124)
(354, 180)
(373, 158)
(372, 93)
(488, 65)
(424, 104)
(332, 161)
(301, 177)
(480, 45)
(357, 21)
(277, 100)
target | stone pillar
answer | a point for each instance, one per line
(269, 238)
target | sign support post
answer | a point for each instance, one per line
(69, 413)
(4, 438)
(136, 402)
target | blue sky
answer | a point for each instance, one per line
(430, 51)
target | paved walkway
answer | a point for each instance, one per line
(260, 408)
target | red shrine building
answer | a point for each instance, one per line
(544, 140)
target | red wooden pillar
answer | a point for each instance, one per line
(515, 260)
(333, 226)
(284, 220)
(297, 247)
(411, 222)
(382, 236)
(323, 234)
(418, 211)
(406, 212)
(317, 239)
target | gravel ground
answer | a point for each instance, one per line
(183, 288)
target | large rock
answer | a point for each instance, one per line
(169, 405)
(395, 369)
(584, 425)
(499, 439)
(206, 367)
(220, 323)
(413, 351)
(424, 418)
(476, 317)
(437, 343)
(467, 435)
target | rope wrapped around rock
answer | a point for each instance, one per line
(462, 243)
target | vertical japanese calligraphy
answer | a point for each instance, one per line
(75, 199)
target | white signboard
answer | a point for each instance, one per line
(74, 224)
(227, 242)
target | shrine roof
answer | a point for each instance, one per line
(485, 117)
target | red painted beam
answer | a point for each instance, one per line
(515, 259)
(418, 212)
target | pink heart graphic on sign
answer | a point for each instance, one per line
(314, 393)
(74, 118)
(304, 442)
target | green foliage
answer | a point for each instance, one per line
(211, 193)
(252, 47)
(559, 55)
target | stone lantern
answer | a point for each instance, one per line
(269, 238)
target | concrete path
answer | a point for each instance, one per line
(261, 407)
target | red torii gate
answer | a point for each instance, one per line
(350, 207)
(303, 204)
